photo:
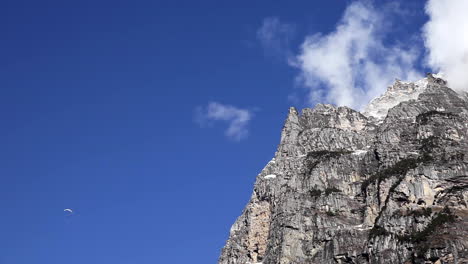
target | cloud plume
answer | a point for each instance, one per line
(446, 39)
(237, 118)
(352, 64)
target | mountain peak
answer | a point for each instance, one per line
(400, 91)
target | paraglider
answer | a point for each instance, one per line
(68, 212)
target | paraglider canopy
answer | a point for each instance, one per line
(68, 210)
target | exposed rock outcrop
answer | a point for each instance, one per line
(386, 186)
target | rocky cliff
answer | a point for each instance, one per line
(385, 186)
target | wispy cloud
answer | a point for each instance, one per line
(275, 37)
(236, 118)
(446, 39)
(352, 64)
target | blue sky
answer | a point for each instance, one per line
(121, 110)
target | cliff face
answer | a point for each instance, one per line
(389, 186)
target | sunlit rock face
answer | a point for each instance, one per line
(386, 186)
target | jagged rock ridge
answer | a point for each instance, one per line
(345, 187)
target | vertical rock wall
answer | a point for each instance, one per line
(347, 188)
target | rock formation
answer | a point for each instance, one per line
(385, 186)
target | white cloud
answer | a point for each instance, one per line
(237, 118)
(446, 39)
(352, 65)
(275, 36)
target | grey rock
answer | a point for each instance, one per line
(346, 187)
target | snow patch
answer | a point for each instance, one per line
(361, 228)
(359, 152)
(270, 176)
(439, 75)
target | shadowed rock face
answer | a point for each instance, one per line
(348, 188)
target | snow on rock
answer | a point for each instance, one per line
(399, 92)
(270, 176)
(360, 152)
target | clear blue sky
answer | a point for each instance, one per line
(97, 102)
